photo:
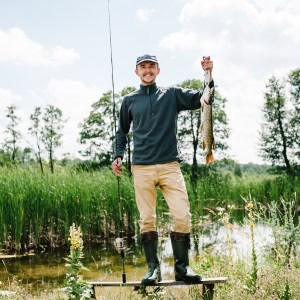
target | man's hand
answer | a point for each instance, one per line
(206, 63)
(117, 166)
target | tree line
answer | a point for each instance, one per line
(279, 141)
(278, 144)
(46, 127)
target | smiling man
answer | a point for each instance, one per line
(153, 113)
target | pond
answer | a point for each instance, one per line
(45, 271)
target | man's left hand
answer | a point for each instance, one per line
(206, 63)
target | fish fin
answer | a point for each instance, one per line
(202, 107)
(202, 101)
(210, 158)
(201, 127)
(214, 144)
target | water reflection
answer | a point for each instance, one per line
(236, 238)
(47, 270)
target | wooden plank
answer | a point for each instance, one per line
(204, 281)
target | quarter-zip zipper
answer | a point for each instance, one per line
(148, 93)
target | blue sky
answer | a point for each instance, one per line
(57, 52)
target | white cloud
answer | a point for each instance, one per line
(144, 14)
(253, 37)
(17, 47)
(7, 98)
(182, 40)
(75, 99)
(249, 41)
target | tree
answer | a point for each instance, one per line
(35, 130)
(10, 143)
(189, 123)
(98, 129)
(237, 170)
(276, 135)
(4, 158)
(294, 81)
(51, 131)
(26, 155)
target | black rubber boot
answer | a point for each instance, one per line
(150, 244)
(181, 245)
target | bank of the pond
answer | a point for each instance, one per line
(36, 211)
(41, 276)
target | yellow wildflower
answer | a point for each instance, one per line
(250, 205)
(75, 237)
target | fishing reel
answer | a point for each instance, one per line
(119, 244)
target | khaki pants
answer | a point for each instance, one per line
(169, 178)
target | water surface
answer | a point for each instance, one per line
(47, 270)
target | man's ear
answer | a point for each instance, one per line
(136, 72)
(158, 70)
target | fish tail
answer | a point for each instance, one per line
(210, 158)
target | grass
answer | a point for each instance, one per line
(271, 282)
(38, 210)
(276, 277)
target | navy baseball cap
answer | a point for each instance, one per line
(146, 57)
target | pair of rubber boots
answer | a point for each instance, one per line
(181, 245)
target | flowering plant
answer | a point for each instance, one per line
(77, 288)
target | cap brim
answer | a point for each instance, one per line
(147, 59)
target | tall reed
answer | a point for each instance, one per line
(37, 210)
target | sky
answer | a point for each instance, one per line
(57, 52)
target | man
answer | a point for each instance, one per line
(153, 113)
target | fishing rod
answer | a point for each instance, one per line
(119, 242)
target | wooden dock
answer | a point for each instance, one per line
(208, 284)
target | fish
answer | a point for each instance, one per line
(206, 126)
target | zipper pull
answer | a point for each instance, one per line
(148, 90)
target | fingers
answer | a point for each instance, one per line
(117, 170)
(206, 63)
(117, 166)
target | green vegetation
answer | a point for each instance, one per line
(279, 134)
(37, 207)
(77, 288)
(274, 276)
(37, 210)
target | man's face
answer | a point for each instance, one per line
(147, 71)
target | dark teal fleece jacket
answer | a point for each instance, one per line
(153, 113)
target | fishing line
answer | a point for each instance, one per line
(119, 242)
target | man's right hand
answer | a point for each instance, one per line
(117, 166)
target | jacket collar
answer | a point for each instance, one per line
(148, 89)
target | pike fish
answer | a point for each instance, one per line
(206, 126)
